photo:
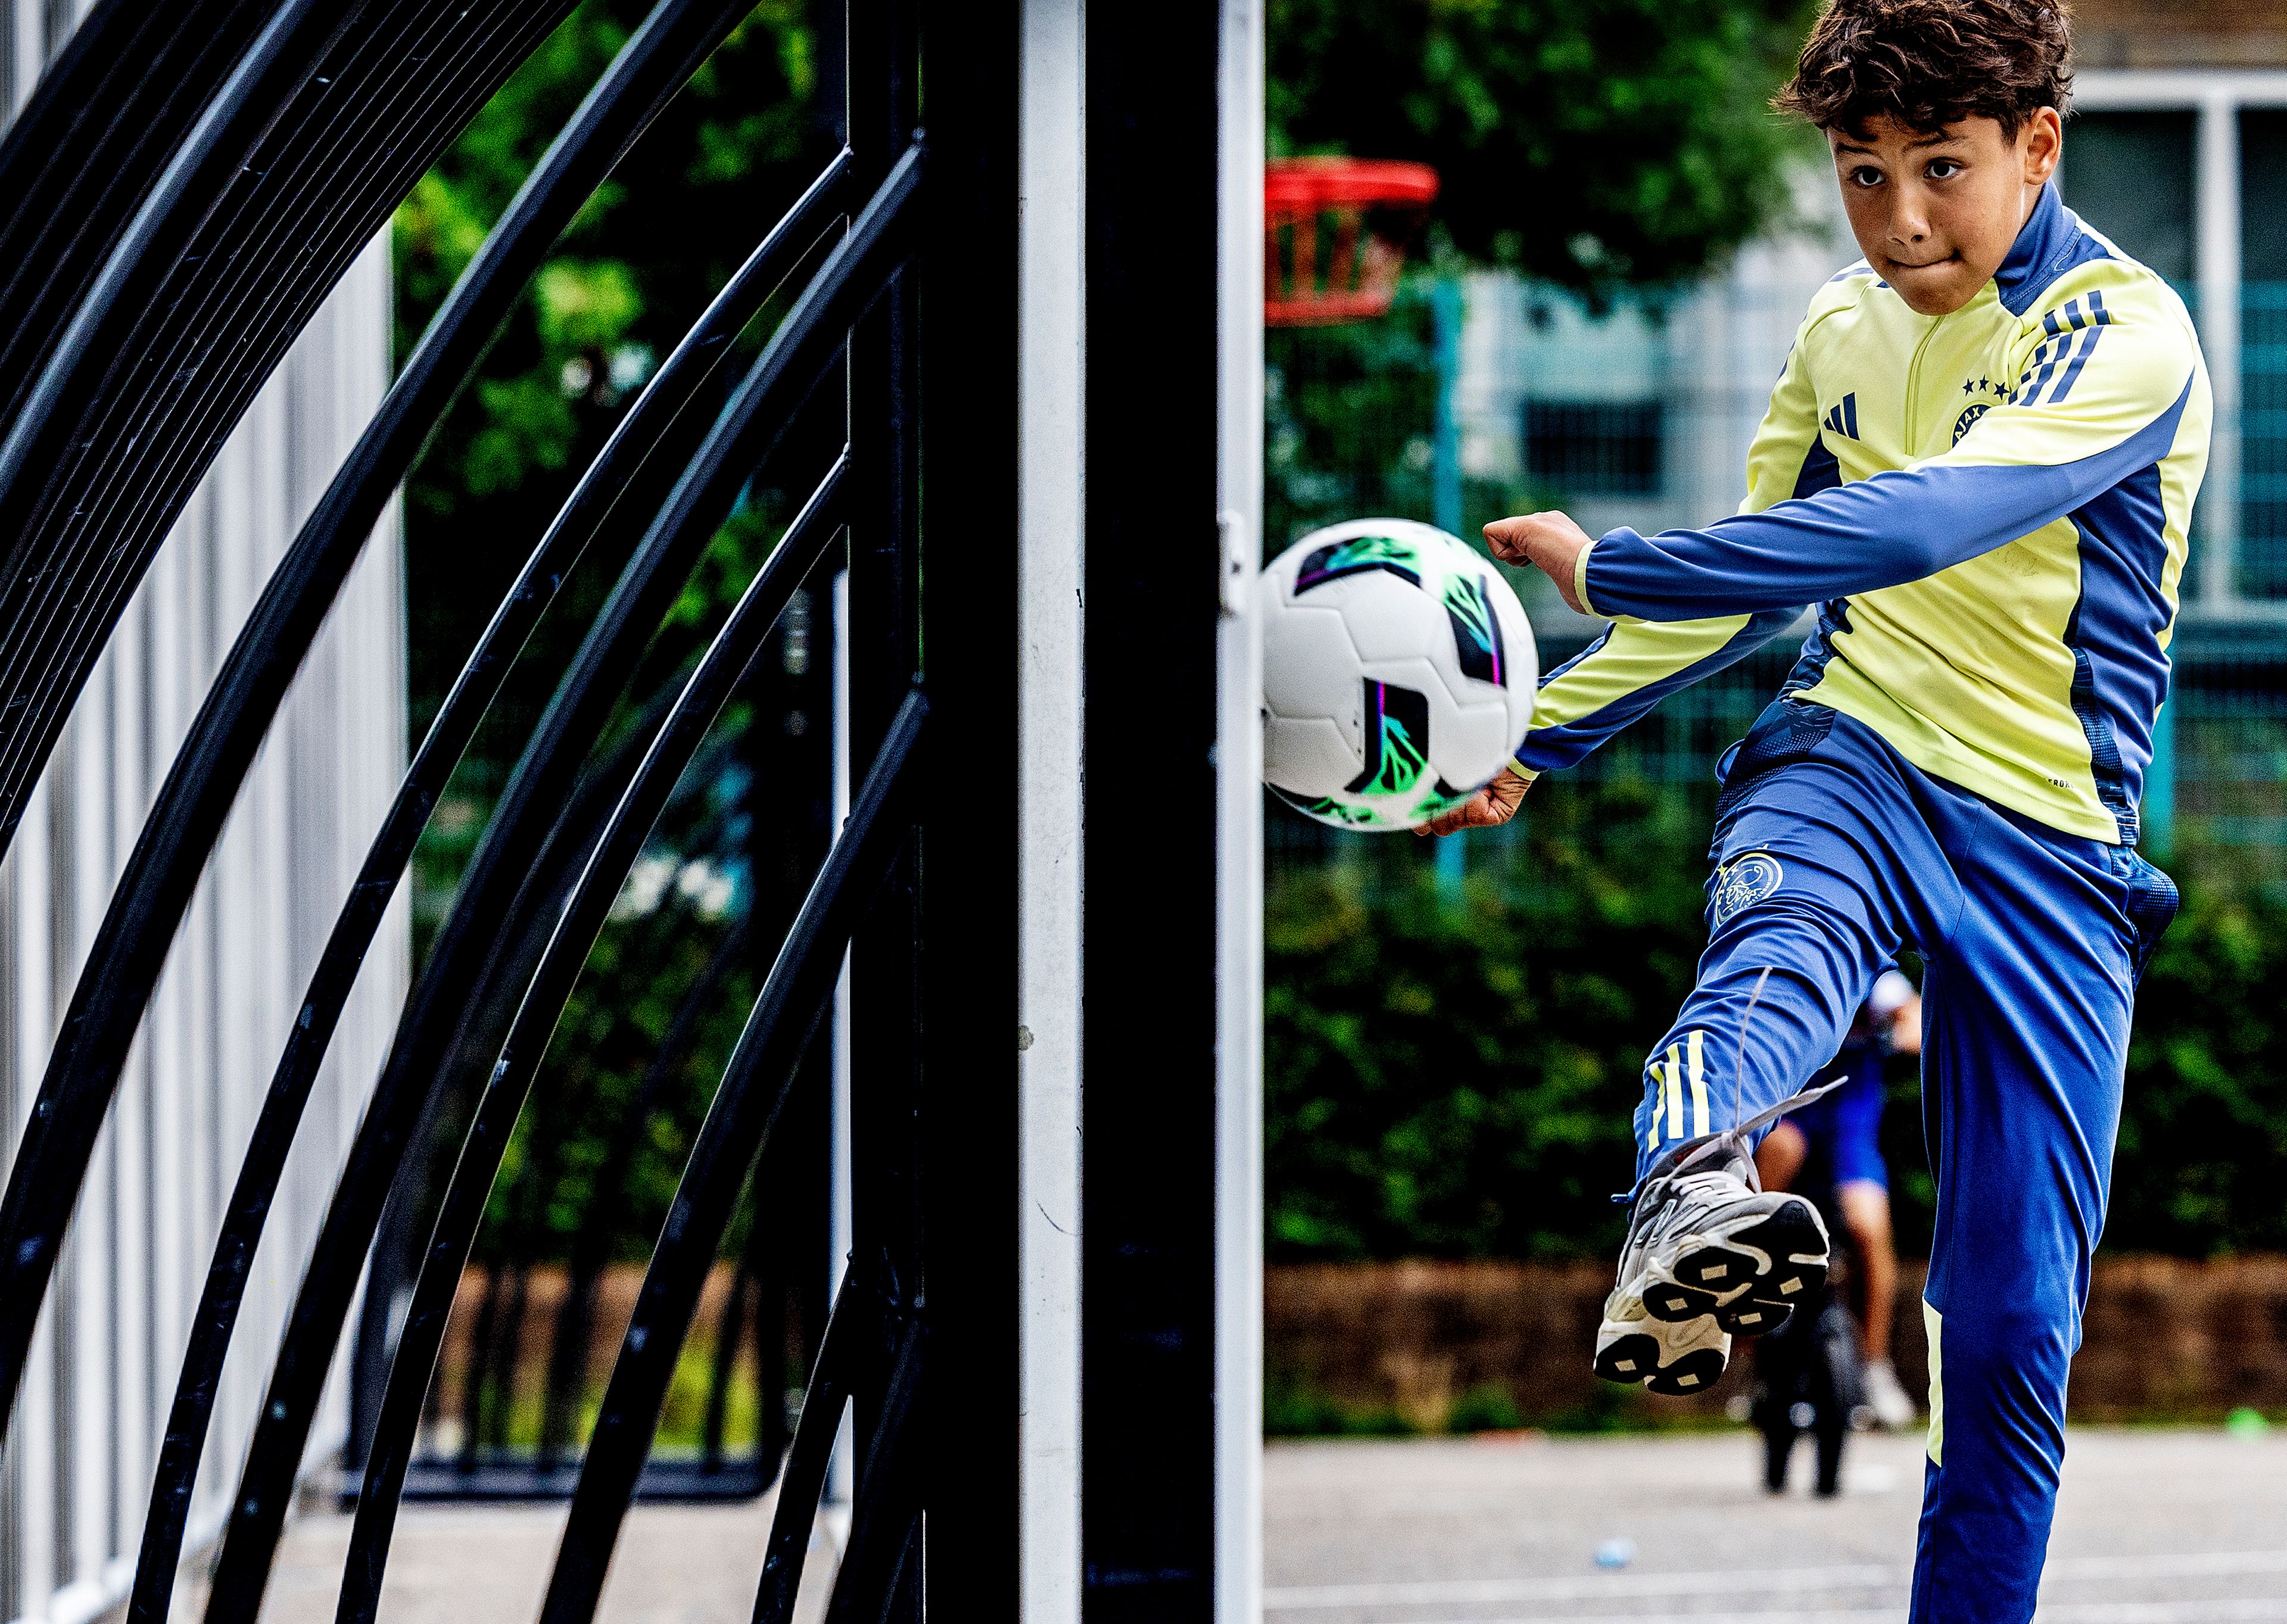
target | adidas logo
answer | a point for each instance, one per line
(1843, 419)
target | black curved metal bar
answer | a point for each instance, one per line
(130, 949)
(534, 1177)
(646, 430)
(754, 1086)
(803, 1477)
(550, 988)
(264, 79)
(101, 403)
(882, 1523)
(114, 40)
(750, 427)
(105, 510)
(641, 432)
(183, 1444)
(76, 163)
(328, 117)
(592, 1242)
(540, 894)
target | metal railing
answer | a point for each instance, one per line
(161, 254)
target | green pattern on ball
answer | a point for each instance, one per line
(1404, 760)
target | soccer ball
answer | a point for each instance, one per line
(1399, 673)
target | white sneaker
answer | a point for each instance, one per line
(1884, 1396)
(1709, 1253)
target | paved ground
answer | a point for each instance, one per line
(2153, 1528)
(488, 1564)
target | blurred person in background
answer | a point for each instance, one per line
(1836, 1142)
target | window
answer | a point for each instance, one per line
(2186, 169)
(2263, 351)
(2129, 175)
(1594, 448)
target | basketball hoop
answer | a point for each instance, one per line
(1334, 232)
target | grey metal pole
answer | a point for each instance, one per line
(833, 1508)
(1238, 825)
(2217, 260)
(1052, 522)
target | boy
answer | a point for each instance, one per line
(1979, 462)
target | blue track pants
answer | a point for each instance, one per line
(1832, 852)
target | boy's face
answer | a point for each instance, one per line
(1935, 211)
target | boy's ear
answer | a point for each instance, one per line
(2042, 143)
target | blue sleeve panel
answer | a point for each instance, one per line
(1549, 748)
(1893, 528)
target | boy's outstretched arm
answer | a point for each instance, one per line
(2067, 433)
(1634, 665)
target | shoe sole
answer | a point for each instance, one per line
(1630, 1356)
(1748, 1275)
(1739, 1279)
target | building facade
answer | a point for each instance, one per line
(75, 1477)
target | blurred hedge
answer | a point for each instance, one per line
(1453, 1076)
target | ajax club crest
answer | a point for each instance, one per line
(1743, 882)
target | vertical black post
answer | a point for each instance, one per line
(1149, 1053)
(882, 80)
(969, 1110)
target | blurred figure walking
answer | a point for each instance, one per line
(1836, 1142)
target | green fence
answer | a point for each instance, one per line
(2263, 439)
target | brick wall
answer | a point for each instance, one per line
(2165, 1338)
(2179, 33)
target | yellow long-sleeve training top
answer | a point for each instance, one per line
(1989, 509)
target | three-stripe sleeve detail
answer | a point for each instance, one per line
(2100, 318)
(1699, 1089)
(2072, 332)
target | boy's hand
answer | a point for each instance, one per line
(1496, 803)
(1550, 542)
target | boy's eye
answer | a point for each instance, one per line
(1866, 175)
(1944, 169)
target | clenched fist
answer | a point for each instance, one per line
(1550, 542)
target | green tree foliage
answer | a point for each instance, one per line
(1592, 143)
(635, 268)
(2202, 1155)
(687, 204)
(1348, 413)
(1457, 1080)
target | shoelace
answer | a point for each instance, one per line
(1659, 1188)
(1663, 1191)
(1735, 1137)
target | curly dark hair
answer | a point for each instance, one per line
(1926, 63)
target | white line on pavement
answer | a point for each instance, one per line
(2252, 1611)
(1584, 1587)
(1783, 1581)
